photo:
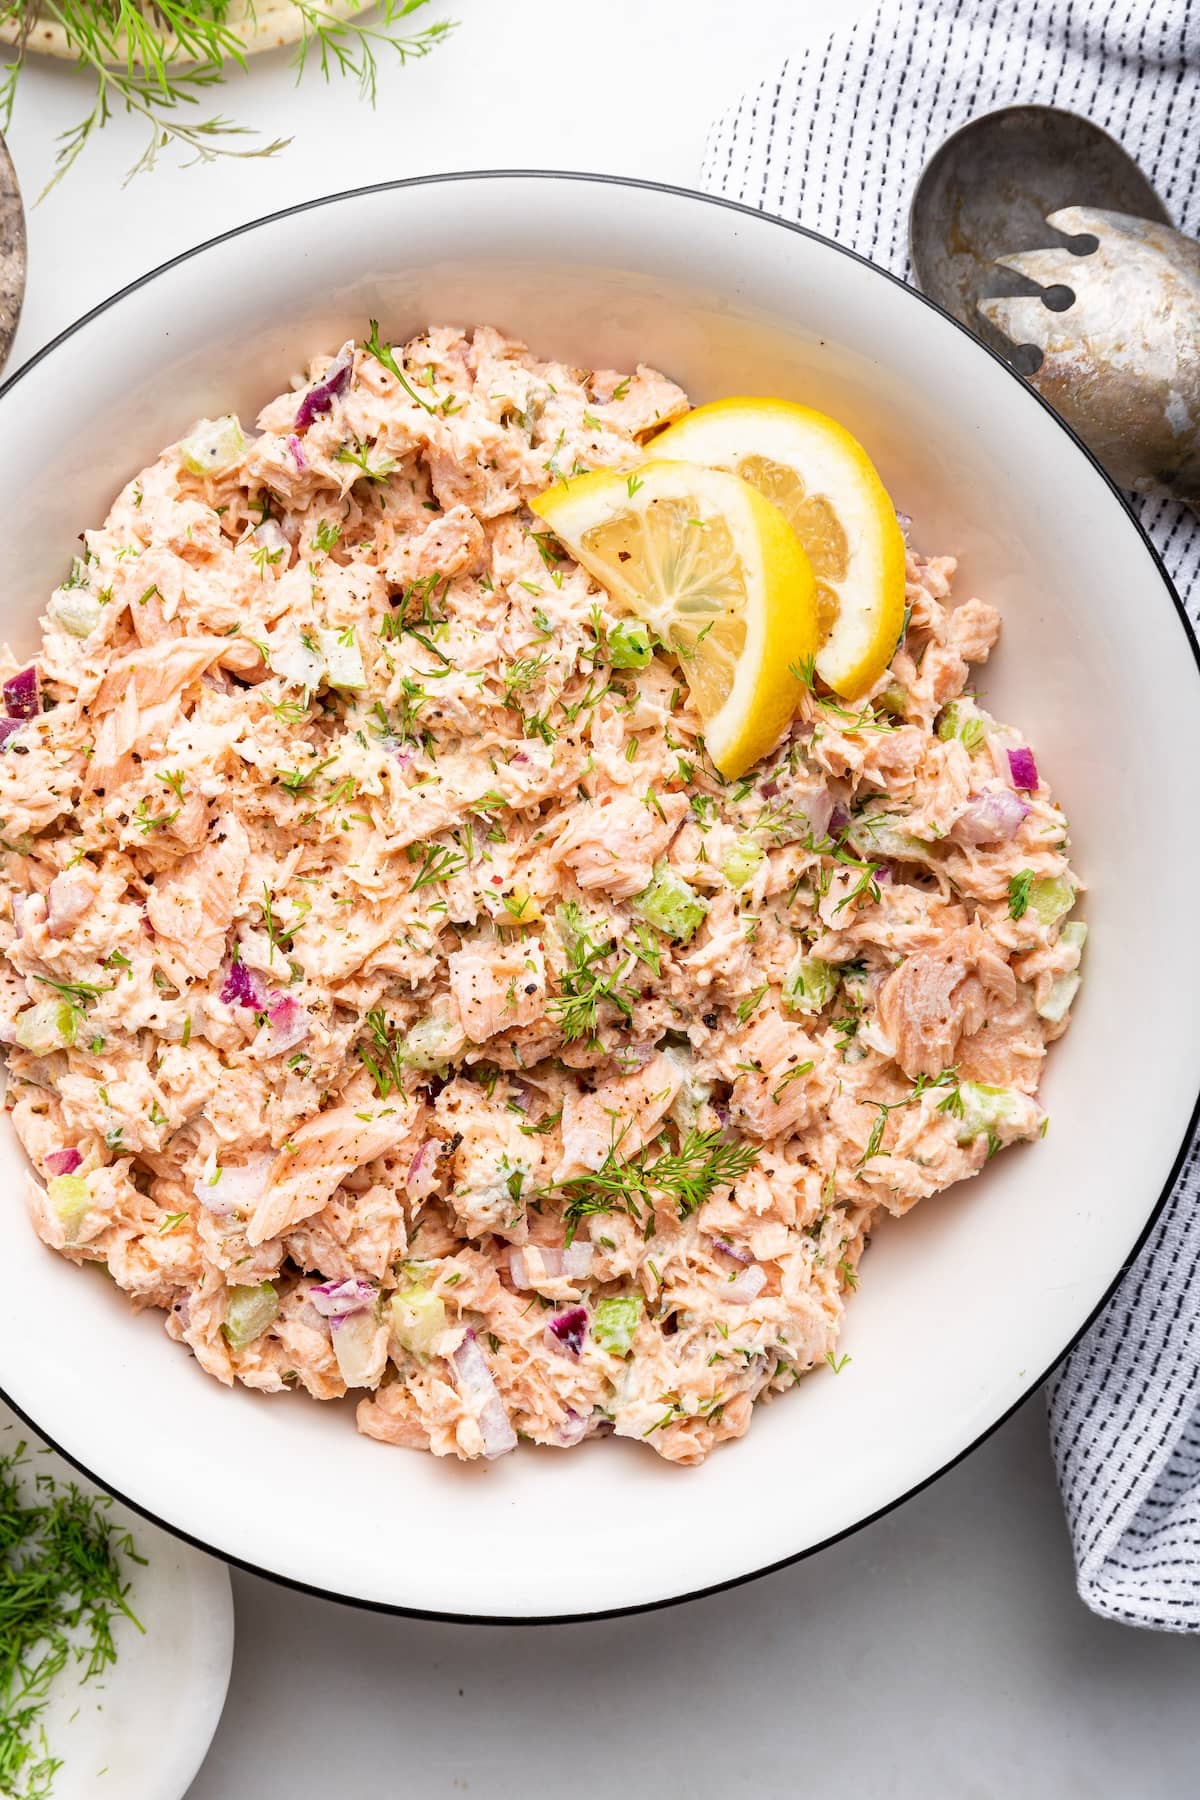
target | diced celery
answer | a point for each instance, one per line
(1062, 991)
(955, 722)
(417, 1319)
(670, 905)
(879, 834)
(343, 658)
(248, 1312)
(49, 1025)
(947, 725)
(77, 611)
(629, 644)
(425, 1045)
(1074, 933)
(1051, 897)
(810, 984)
(615, 1322)
(213, 445)
(740, 861)
(68, 1195)
(893, 700)
(297, 661)
(983, 1108)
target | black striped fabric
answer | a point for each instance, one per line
(837, 140)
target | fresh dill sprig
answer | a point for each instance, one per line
(157, 60)
(687, 1177)
(359, 456)
(952, 1103)
(439, 863)
(383, 1057)
(584, 982)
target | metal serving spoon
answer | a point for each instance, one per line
(12, 253)
(1036, 230)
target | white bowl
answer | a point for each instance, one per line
(965, 1306)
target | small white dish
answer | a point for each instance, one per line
(966, 1305)
(141, 1729)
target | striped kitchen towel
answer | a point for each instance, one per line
(837, 140)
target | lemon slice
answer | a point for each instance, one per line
(717, 573)
(825, 485)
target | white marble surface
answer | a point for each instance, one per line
(942, 1652)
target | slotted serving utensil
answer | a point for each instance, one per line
(1033, 227)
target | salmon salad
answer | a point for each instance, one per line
(398, 998)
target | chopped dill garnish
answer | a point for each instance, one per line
(62, 1586)
(584, 983)
(383, 1057)
(359, 458)
(440, 863)
(947, 1079)
(1019, 886)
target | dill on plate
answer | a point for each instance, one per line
(156, 59)
(62, 1586)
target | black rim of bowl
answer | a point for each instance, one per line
(919, 299)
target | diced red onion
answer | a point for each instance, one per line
(360, 1347)
(838, 820)
(271, 537)
(422, 1175)
(903, 520)
(735, 1252)
(9, 728)
(573, 1429)
(819, 807)
(567, 1330)
(1024, 769)
(574, 1263)
(243, 987)
(289, 1022)
(238, 1186)
(63, 1162)
(747, 1286)
(321, 397)
(68, 898)
(769, 789)
(883, 872)
(479, 1390)
(336, 1300)
(22, 695)
(297, 450)
(992, 817)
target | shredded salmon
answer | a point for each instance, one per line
(396, 996)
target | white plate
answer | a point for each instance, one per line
(967, 1304)
(141, 1730)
